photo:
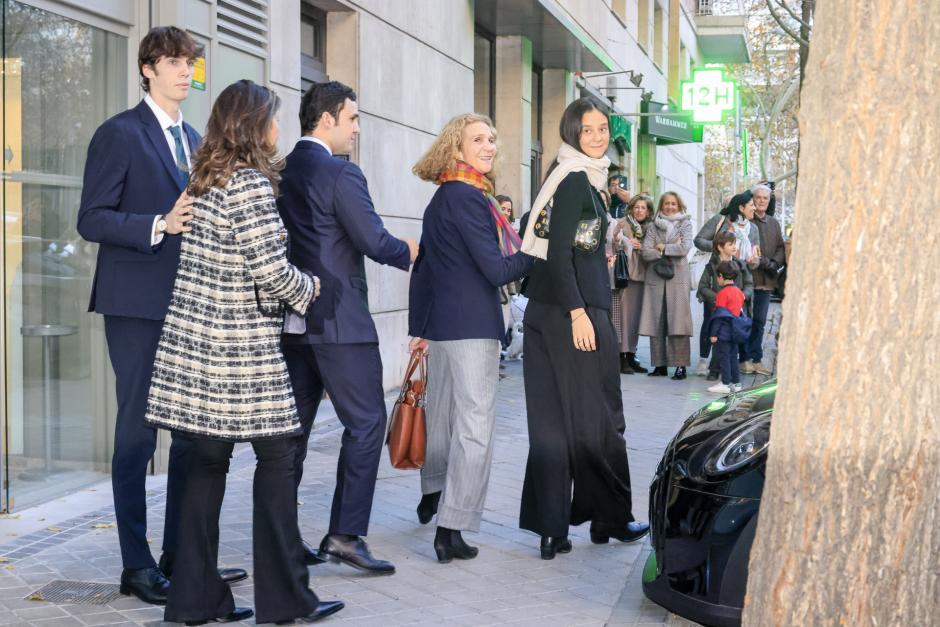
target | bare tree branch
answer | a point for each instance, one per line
(796, 17)
(786, 29)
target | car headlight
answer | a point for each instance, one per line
(741, 446)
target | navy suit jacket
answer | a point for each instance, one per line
(453, 293)
(325, 205)
(131, 177)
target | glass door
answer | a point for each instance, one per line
(61, 79)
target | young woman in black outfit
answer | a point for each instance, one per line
(571, 369)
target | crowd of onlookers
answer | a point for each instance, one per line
(650, 296)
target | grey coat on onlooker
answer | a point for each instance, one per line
(773, 253)
(675, 291)
(706, 235)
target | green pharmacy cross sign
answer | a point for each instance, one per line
(708, 96)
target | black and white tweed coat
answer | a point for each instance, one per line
(219, 371)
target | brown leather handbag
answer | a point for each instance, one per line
(407, 433)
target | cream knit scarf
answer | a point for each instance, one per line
(569, 160)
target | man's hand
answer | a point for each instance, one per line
(412, 248)
(179, 215)
(622, 194)
(713, 339)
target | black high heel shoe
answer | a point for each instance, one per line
(449, 545)
(549, 546)
(679, 374)
(428, 507)
(659, 371)
(631, 532)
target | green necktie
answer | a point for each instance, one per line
(182, 165)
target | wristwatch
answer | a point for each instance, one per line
(161, 225)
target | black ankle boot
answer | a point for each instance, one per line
(428, 507)
(549, 546)
(659, 371)
(631, 357)
(449, 544)
(625, 367)
(679, 374)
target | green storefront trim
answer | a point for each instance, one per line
(621, 128)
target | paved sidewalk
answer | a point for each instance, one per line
(507, 583)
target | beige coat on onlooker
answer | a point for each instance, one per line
(675, 291)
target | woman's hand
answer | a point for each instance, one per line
(661, 247)
(582, 331)
(637, 244)
(418, 343)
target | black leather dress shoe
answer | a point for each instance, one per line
(239, 613)
(147, 584)
(324, 609)
(679, 374)
(231, 575)
(311, 557)
(658, 371)
(550, 546)
(428, 507)
(353, 551)
(631, 532)
(228, 575)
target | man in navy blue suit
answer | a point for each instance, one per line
(326, 207)
(135, 207)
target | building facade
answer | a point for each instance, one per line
(69, 64)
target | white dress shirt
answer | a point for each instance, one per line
(165, 122)
(316, 140)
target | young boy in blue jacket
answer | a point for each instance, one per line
(728, 327)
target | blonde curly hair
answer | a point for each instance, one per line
(442, 155)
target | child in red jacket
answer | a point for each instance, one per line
(727, 327)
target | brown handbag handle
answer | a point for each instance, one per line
(409, 372)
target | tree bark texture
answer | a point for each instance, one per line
(849, 530)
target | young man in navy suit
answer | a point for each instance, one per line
(326, 207)
(135, 207)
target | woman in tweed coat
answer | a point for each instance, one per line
(219, 375)
(667, 315)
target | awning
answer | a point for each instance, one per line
(557, 40)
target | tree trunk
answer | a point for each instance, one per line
(849, 530)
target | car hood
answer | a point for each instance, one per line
(707, 431)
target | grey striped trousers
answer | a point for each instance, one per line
(461, 419)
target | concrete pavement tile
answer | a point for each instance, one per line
(104, 618)
(62, 621)
(39, 611)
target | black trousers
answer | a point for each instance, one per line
(352, 375)
(281, 580)
(575, 418)
(132, 346)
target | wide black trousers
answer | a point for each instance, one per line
(576, 425)
(281, 580)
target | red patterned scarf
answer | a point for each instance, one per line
(509, 241)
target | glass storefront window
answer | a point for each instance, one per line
(61, 79)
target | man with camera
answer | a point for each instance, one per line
(769, 264)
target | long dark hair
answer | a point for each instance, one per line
(237, 136)
(570, 126)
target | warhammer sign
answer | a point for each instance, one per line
(668, 129)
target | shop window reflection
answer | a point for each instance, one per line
(61, 79)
